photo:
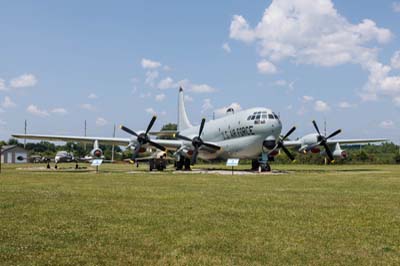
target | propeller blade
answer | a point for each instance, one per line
(158, 146)
(203, 121)
(328, 151)
(182, 137)
(136, 152)
(289, 133)
(334, 134)
(153, 119)
(128, 130)
(194, 157)
(212, 146)
(287, 152)
(316, 127)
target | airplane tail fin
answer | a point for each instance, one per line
(183, 121)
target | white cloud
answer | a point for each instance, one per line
(92, 96)
(206, 105)
(167, 68)
(167, 83)
(59, 110)
(226, 47)
(188, 98)
(151, 77)
(164, 113)
(321, 106)
(345, 105)
(150, 111)
(240, 30)
(160, 97)
(150, 64)
(2, 85)
(145, 95)
(34, 110)
(88, 106)
(313, 32)
(395, 60)
(396, 7)
(222, 111)
(201, 88)
(307, 98)
(100, 121)
(386, 124)
(281, 83)
(7, 103)
(24, 81)
(396, 101)
(266, 67)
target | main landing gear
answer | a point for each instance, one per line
(183, 164)
(261, 164)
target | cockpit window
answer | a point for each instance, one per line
(253, 117)
(270, 116)
(264, 116)
(276, 116)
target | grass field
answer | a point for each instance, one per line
(318, 215)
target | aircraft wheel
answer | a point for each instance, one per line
(187, 164)
(254, 165)
(179, 164)
(267, 168)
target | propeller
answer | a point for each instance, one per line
(322, 140)
(197, 142)
(280, 144)
(143, 138)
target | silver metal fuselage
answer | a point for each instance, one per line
(236, 135)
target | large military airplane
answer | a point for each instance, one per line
(249, 134)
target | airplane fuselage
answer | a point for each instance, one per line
(240, 135)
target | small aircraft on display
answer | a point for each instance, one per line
(253, 134)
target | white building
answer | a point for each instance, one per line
(13, 154)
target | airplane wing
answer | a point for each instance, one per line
(164, 133)
(170, 144)
(355, 141)
(292, 143)
(82, 139)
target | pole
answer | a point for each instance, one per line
(84, 145)
(25, 134)
(112, 150)
(232, 170)
(1, 153)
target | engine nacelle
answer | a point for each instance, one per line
(315, 150)
(338, 152)
(96, 153)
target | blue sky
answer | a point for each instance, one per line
(120, 61)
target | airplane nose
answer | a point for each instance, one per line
(269, 142)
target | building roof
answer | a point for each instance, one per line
(6, 148)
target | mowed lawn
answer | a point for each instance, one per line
(318, 215)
